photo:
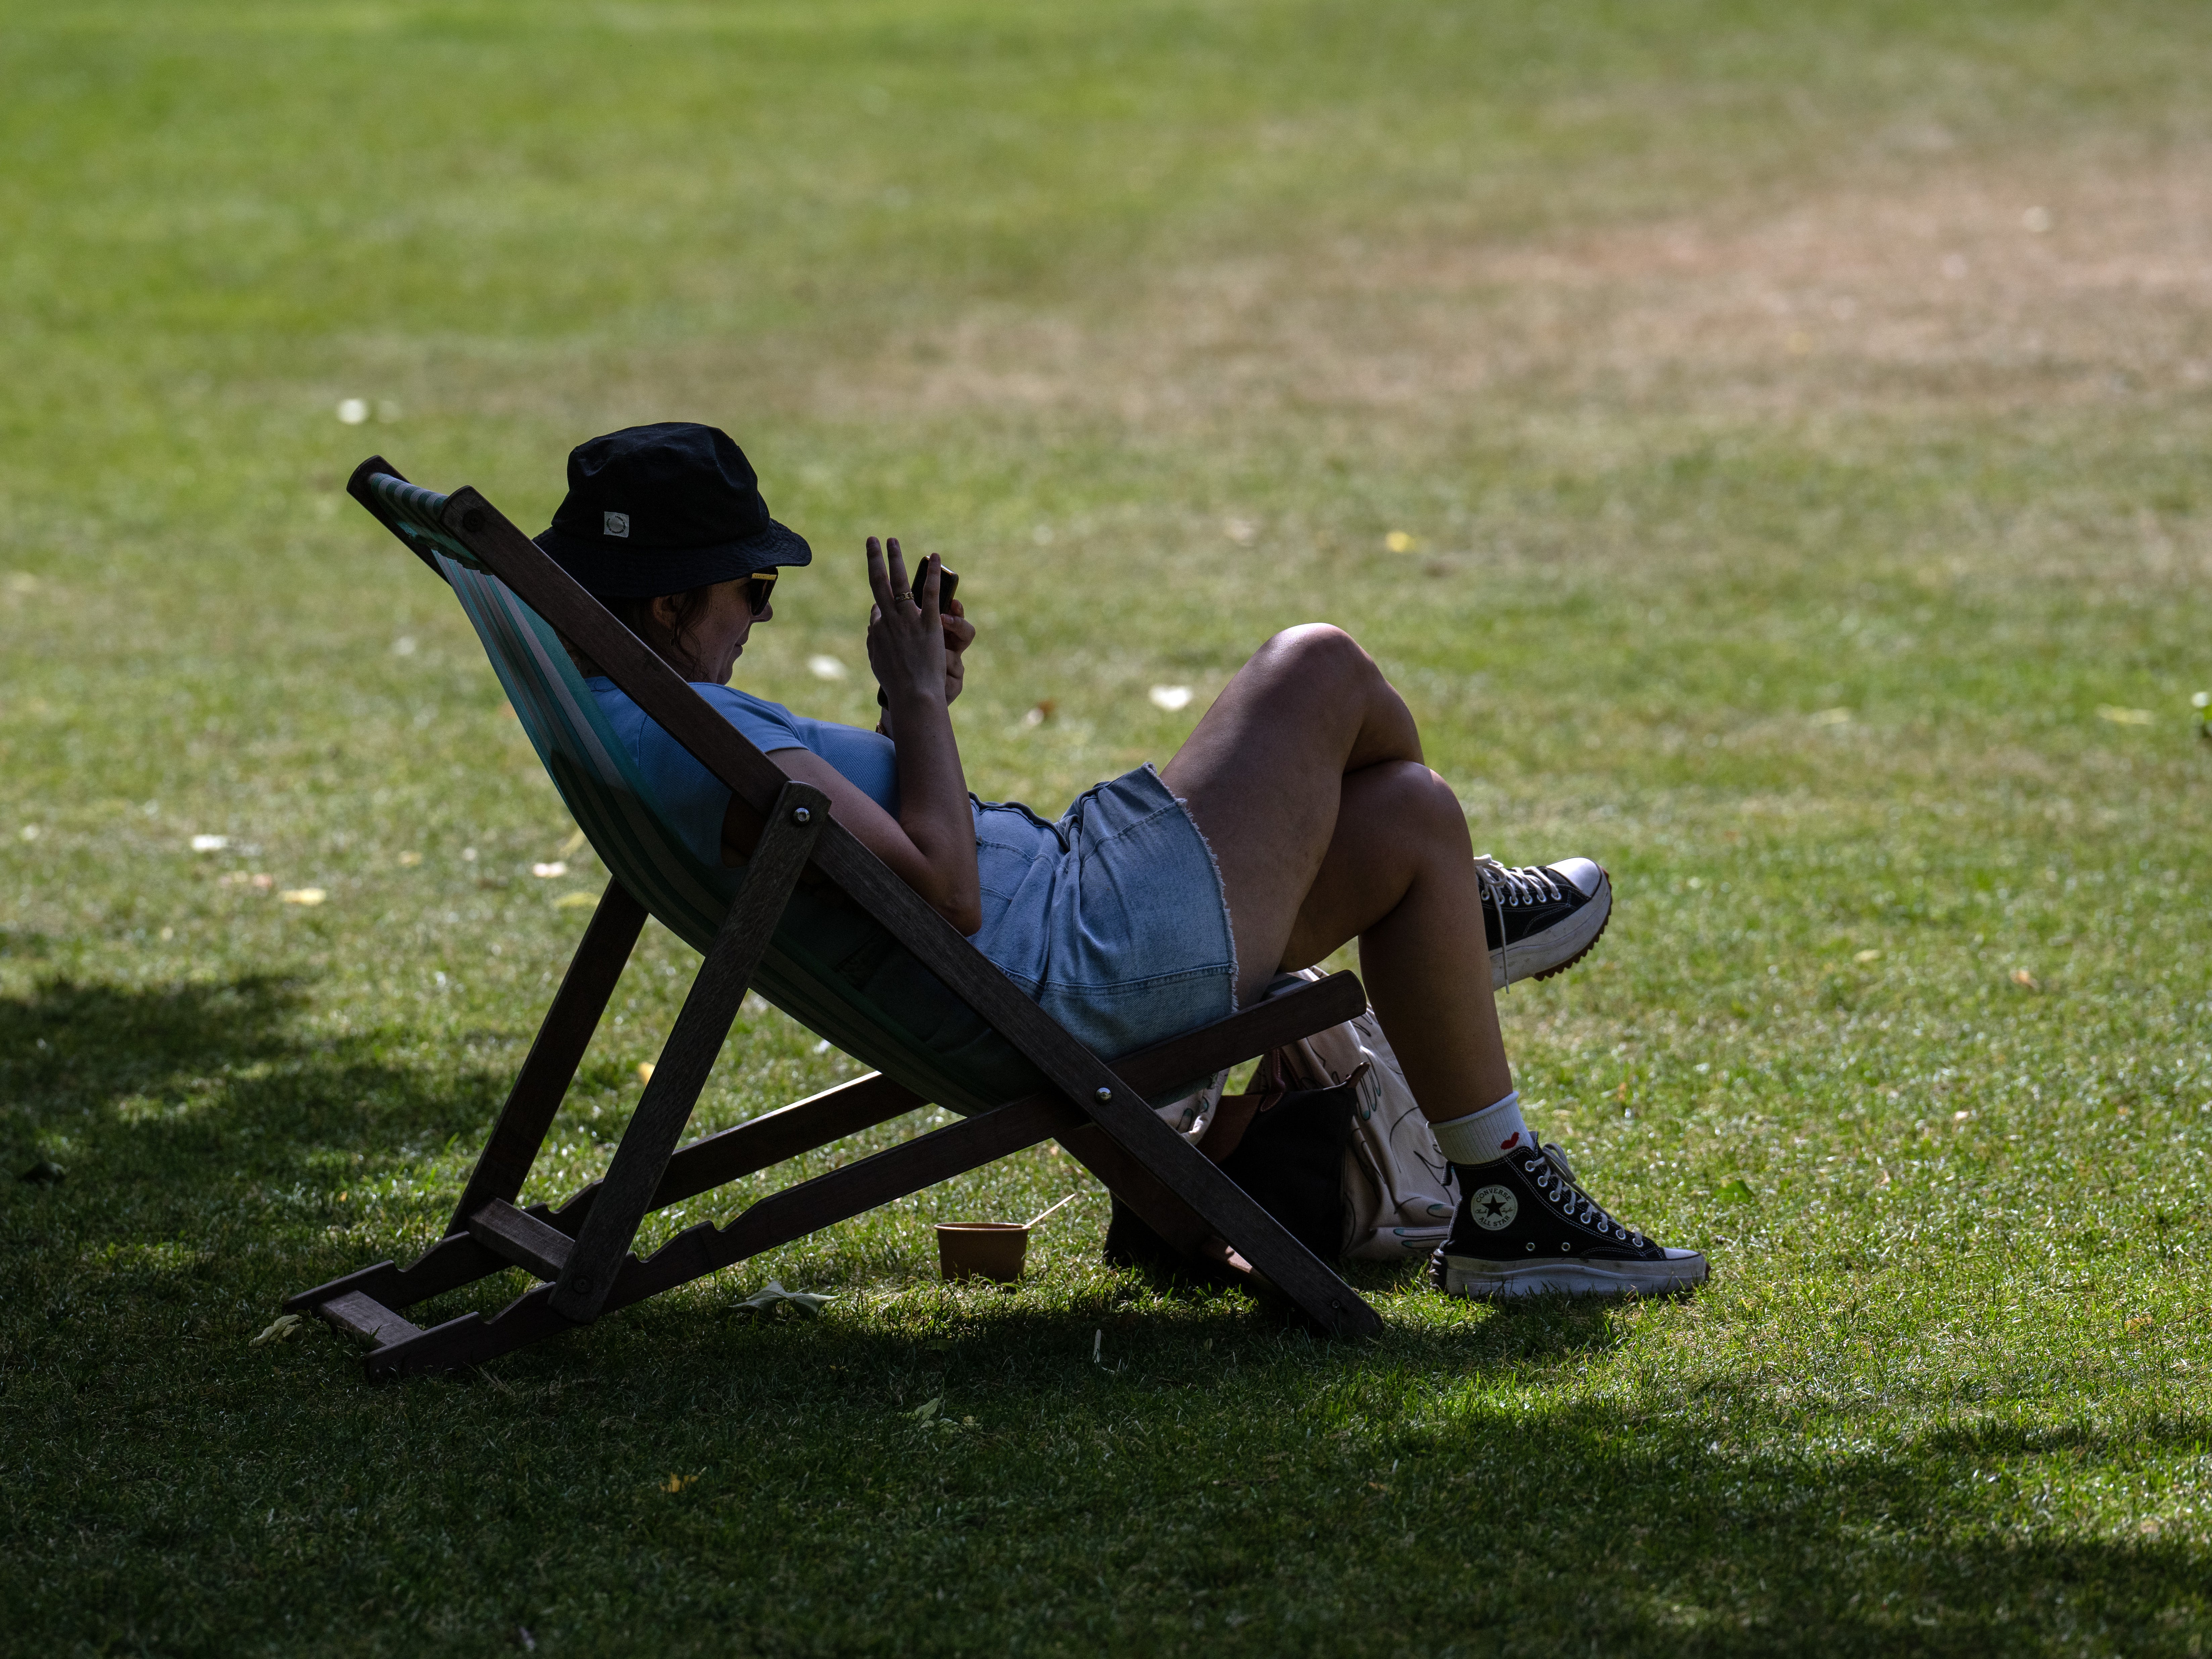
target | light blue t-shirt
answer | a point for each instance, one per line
(687, 791)
(1112, 918)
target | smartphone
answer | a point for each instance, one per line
(948, 584)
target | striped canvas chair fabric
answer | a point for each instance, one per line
(831, 969)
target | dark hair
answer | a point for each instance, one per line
(636, 614)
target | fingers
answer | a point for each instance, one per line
(959, 633)
(887, 576)
(925, 589)
(878, 576)
(899, 583)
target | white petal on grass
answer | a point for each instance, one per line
(826, 668)
(547, 871)
(303, 895)
(352, 411)
(210, 843)
(1170, 697)
(32, 832)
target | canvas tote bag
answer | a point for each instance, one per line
(1395, 1192)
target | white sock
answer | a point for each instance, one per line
(1485, 1136)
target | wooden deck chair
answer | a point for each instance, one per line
(822, 929)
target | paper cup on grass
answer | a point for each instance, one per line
(982, 1249)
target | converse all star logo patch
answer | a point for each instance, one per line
(618, 523)
(1493, 1207)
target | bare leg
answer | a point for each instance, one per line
(1306, 777)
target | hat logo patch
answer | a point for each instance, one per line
(618, 523)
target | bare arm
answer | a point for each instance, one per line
(931, 845)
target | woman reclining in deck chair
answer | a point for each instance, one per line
(1298, 817)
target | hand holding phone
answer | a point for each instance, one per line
(959, 633)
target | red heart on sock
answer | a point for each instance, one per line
(1510, 1142)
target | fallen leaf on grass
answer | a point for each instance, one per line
(2022, 977)
(1736, 1191)
(806, 1303)
(286, 1326)
(1866, 956)
(677, 1482)
(303, 895)
(926, 1411)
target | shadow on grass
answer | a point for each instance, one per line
(185, 1095)
(1209, 1482)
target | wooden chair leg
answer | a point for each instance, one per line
(788, 1132)
(562, 1036)
(364, 1302)
(800, 814)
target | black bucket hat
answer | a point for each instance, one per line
(663, 508)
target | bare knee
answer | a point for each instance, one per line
(1320, 651)
(1414, 799)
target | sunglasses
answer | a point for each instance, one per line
(760, 587)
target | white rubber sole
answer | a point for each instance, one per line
(1495, 1281)
(1556, 949)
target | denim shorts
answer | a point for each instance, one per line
(1112, 919)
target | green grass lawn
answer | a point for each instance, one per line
(1767, 445)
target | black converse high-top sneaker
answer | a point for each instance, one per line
(1541, 919)
(1524, 1228)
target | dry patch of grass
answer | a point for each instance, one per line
(1977, 284)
